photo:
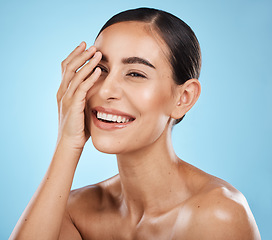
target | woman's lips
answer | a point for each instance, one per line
(110, 119)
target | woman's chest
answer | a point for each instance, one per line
(111, 225)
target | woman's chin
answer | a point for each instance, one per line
(106, 146)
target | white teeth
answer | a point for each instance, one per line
(112, 118)
(104, 116)
(109, 117)
(119, 119)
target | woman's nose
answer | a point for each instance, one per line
(110, 88)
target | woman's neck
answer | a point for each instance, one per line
(151, 178)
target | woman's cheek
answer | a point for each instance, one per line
(149, 98)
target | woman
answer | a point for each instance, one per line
(127, 92)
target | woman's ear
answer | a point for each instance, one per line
(186, 96)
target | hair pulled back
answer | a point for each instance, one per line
(184, 49)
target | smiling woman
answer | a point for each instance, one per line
(145, 65)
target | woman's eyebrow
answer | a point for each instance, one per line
(132, 60)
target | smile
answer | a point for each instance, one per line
(110, 119)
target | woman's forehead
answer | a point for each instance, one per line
(132, 38)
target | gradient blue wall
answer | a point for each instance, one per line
(228, 132)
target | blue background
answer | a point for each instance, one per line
(227, 133)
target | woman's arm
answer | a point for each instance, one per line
(43, 216)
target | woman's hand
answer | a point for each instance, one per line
(77, 79)
(43, 215)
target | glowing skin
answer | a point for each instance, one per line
(149, 98)
(156, 195)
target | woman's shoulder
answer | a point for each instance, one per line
(216, 210)
(221, 212)
(94, 197)
(85, 206)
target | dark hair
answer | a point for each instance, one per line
(184, 49)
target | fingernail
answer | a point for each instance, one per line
(95, 55)
(97, 70)
(81, 44)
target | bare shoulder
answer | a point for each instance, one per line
(86, 201)
(223, 213)
(217, 211)
(84, 208)
(79, 197)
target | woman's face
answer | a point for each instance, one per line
(135, 87)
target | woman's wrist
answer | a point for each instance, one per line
(67, 151)
(69, 144)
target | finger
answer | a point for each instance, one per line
(71, 67)
(84, 73)
(86, 85)
(77, 62)
(63, 86)
(79, 49)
